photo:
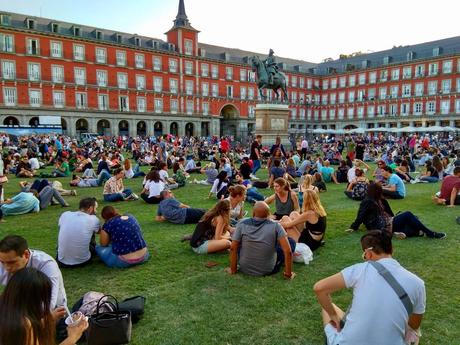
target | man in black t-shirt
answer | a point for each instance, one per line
(255, 153)
(245, 169)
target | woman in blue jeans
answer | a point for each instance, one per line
(114, 189)
(121, 241)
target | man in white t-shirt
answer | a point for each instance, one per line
(377, 316)
(76, 239)
(304, 148)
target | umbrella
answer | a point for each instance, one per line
(407, 129)
(450, 129)
(319, 131)
(356, 130)
(433, 129)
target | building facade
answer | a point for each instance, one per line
(112, 83)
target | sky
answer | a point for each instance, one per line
(308, 30)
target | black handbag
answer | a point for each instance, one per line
(109, 328)
(135, 305)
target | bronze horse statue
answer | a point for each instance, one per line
(279, 80)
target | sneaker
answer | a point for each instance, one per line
(134, 196)
(439, 235)
(399, 235)
(73, 192)
(414, 181)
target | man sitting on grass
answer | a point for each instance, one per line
(174, 211)
(450, 189)
(395, 188)
(260, 246)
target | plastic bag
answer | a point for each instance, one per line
(303, 254)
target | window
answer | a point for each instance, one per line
(333, 98)
(58, 99)
(394, 90)
(204, 70)
(188, 45)
(9, 96)
(341, 113)
(294, 113)
(214, 72)
(215, 90)
(76, 31)
(251, 93)
(417, 108)
(121, 58)
(101, 55)
(325, 84)
(101, 77)
(395, 74)
(103, 102)
(407, 72)
(173, 85)
(362, 79)
(80, 76)
(352, 80)
(447, 66)
(360, 112)
(370, 111)
(174, 106)
(140, 82)
(433, 68)
(407, 90)
(294, 97)
(80, 100)
(137, 41)
(243, 92)
(342, 82)
(243, 74)
(419, 71)
(341, 97)
(139, 60)
(158, 84)
(188, 67)
(431, 108)
(156, 63)
(229, 73)
(57, 74)
(419, 89)
(30, 24)
(405, 108)
(189, 107)
(98, 35)
(6, 43)
(432, 87)
(35, 98)
(78, 52)
(372, 77)
(445, 107)
(173, 65)
(309, 83)
(382, 93)
(229, 91)
(158, 105)
(56, 49)
(123, 103)
(141, 104)
(351, 96)
(5, 19)
(33, 71)
(189, 87)
(383, 75)
(381, 110)
(333, 83)
(457, 106)
(350, 112)
(332, 114)
(446, 86)
(458, 84)
(205, 107)
(205, 89)
(122, 80)
(32, 46)
(8, 70)
(361, 95)
(371, 94)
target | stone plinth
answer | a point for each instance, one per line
(272, 121)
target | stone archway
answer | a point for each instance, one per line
(34, 121)
(158, 129)
(103, 127)
(141, 129)
(11, 121)
(81, 126)
(174, 128)
(123, 128)
(205, 129)
(229, 121)
(189, 128)
(64, 126)
(350, 127)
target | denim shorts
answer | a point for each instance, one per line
(333, 337)
(203, 249)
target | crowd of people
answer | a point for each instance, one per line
(259, 243)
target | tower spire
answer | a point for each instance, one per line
(181, 18)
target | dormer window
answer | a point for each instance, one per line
(98, 35)
(137, 41)
(410, 56)
(76, 31)
(5, 19)
(386, 60)
(118, 38)
(30, 24)
(436, 51)
(54, 27)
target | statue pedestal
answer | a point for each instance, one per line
(272, 121)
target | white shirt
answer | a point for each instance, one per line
(164, 175)
(75, 232)
(154, 188)
(34, 164)
(47, 265)
(351, 174)
(377, 316)
(304, 144)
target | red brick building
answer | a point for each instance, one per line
(109, 82)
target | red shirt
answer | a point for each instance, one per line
(448, 183)
(224, 146)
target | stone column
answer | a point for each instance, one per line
(92, 124)
(71, 126)
(181, 127)
(197, 129)
(132, 127)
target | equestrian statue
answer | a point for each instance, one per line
(268, 76)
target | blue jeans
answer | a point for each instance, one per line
(409, 224)
(253, 195)
(430, 179)
(112, 260)
(280, 254)
(103, 177)
(256, 166)
(118, 196)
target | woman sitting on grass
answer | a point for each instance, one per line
(131, 172)
(152, 188)
(285, 199)
(121, 242)
(318, 182)
(357, 189)
(376, 214)
(212, 233)
(236, 200)
(114, 189)
(306, 183)
(220, 186)
(308, 227)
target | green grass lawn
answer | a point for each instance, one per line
(188, 303)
